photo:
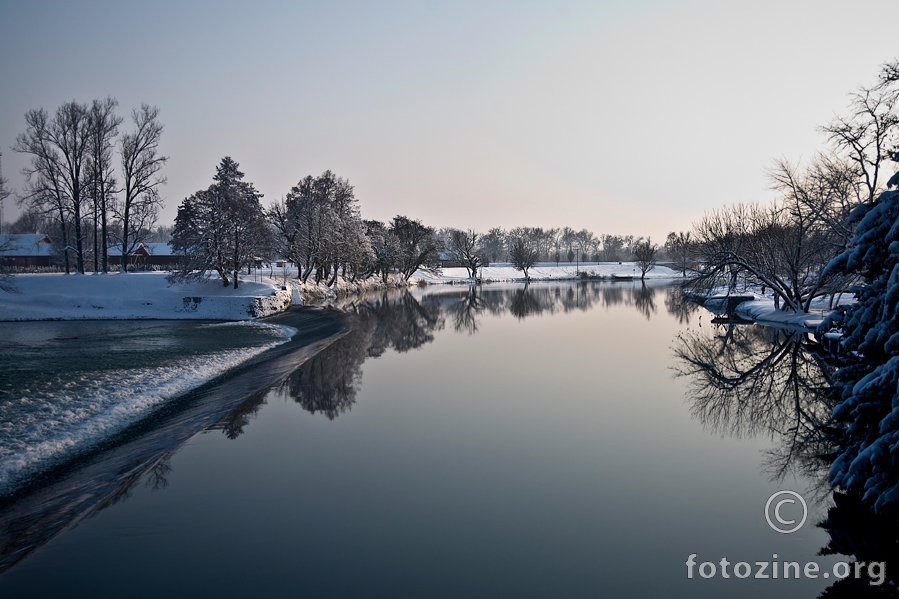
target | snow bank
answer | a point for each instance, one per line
(762, 310)
(545, 271)
(138, 296)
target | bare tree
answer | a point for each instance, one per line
(679, 247)
(646, 253)
(465, 247)
(4, 192)
(417, 243)
(104, 127)
(141, 163)
(522, 251)
(59, 152)
(865, 134)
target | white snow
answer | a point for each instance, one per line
(138, 296)
(762, 310)
(546, 271)
(150, 296)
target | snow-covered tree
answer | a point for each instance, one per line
(385, 248)
(869, 381)
(320, 229)
(221, 229)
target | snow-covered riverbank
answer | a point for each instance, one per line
(150, 295)
(761, 309)
(546, 271)
(137, 296)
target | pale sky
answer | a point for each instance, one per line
(625, 117)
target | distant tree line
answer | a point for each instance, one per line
(87, 185)
(317, 226)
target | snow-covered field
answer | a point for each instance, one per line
(546, 271)
(137, 296)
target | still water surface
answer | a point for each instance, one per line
(574, 440)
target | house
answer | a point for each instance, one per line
(146, 255)
(26, 250)
(449, 260)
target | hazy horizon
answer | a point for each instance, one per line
(618, 117)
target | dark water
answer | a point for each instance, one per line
(576, 440)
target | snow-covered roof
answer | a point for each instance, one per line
(159, 249)
(32, 244)
(153, 249)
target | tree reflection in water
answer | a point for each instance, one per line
(328, 382)
(750, 380)
(679, 306)
(535, 299)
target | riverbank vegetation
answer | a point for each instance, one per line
(784, 247)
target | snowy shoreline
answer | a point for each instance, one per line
(137, 296)
(761, 310)
(149, 296)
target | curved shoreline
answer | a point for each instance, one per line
(50, 502)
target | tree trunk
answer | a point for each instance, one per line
(125, 218)
(96, 249)
(236, 264)
(65, 239)
(79, 246)
(104, 238)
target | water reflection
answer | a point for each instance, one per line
(855, 530)
(752, 380)
(679, 306)
(108, 474)
(328, 383)
(463, 307)
(323, 381)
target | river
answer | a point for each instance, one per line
(581, 439)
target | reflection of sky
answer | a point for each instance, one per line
(622, 117)
(548, 456)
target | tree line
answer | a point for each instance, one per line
(318, 227)
(92, 187)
